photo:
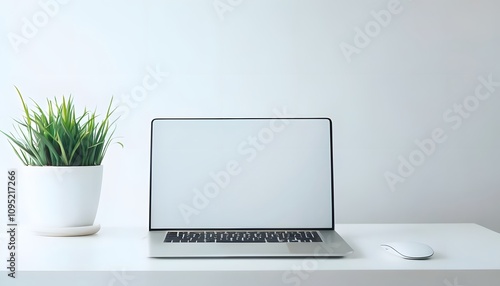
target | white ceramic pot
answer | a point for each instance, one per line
(60, 197)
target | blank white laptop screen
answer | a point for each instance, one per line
(236, 173)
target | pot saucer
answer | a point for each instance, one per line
(67, 231)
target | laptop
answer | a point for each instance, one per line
(242, 187)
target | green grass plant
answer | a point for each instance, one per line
(58, 137)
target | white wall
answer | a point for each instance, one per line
(384, 91)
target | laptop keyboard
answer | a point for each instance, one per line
(241, 236)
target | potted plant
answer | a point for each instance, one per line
(61, 184)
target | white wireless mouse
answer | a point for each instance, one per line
(409, 250)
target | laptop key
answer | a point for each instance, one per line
(173, 239)
(242, 237)
(315, 237)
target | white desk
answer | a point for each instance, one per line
(465, 254)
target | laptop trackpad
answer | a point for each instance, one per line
(310, 248)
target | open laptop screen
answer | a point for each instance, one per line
(235, 173)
